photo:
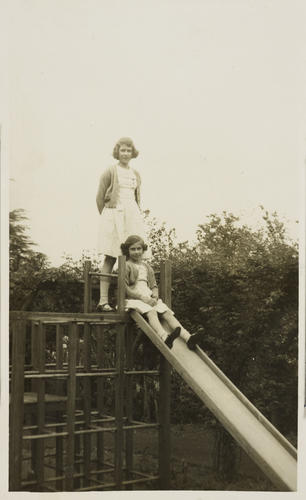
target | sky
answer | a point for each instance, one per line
(210, 92)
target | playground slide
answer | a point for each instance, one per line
(276, 457)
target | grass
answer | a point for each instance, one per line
(192, 461)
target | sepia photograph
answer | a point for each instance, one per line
(153, 254)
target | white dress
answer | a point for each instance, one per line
(141, 286)
(116, 224)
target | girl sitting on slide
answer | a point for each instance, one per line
(142, 294)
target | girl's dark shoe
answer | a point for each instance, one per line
(172, 336)
(104, 308)
(193, 341)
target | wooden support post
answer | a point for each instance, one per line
(77, 449)
(87, 286)
(40, 447)
(119, 395)
(59, 352)
(71, 396)
(87, 382)
(34, 362)
(78, 437)
(100, 397)
(34, 352)
(17, 403)
(87, 403)
(165, 391)
(59, 415)
(129, 404)
(121, 283)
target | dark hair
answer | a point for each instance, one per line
(128, 142)
(131, 240)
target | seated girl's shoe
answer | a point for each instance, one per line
(104, 308)
(172, 336)
(193, 341)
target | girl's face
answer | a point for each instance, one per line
(135, 252)
(125, 154)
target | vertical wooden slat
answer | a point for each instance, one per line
(35, 364)
(71, 396)
(59, 450)
(34, 352)
(77, 449)
(121, 283)
(77, 437)
(119, 404)
(40, 447)
(86, 382)
(59, 357)
(87, 403)
(79, 359)
(17, 403)
(165, 284)
(129, 403)
(100, 396)
(165, 391)
(87, 286)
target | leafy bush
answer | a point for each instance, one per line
(236, 285)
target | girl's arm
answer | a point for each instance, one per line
(103, 185)
(137, 190)
(131, 294)
(155, 294)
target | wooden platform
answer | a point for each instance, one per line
(58, 317)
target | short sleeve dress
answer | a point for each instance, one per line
(141, 286)
(116, 224)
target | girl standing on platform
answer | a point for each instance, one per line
(142, 293)
(118, 202)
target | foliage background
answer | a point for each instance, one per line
(236, 285)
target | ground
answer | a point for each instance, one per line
(192, 466)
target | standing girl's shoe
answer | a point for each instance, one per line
(118, 202)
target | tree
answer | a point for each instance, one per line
(239, 287)
(34, 284)
(236, 285)
(162, 241)
(27, 267)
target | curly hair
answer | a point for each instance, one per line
(127, 142)
(131, 240)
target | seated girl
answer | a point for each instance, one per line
(142, 294)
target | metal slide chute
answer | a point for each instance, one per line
(273, 453)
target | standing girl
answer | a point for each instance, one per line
(118, 202)
(142, 294)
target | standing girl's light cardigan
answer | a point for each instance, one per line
(108, 191)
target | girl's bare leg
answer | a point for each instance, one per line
(191, 340)
(174, 323)
(155, 324)
(107, 267)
